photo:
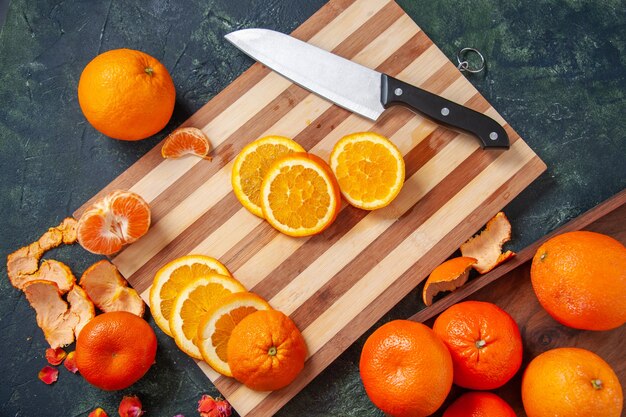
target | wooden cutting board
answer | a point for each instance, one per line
(337, 284)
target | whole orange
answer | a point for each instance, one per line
(126, 94)
(406, 369)
(580, 280)
(479, 404)
(484, 341)
(266, 351)
(114, 350)
(571, 382)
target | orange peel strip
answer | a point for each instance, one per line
(486, 246)
(57, 320)
(49, 270)
(55, 356)
(109, 291)
(25, 261)
(48, 374)
(98, 412)
(130, 406)
(70, 362)
(82, 307)
(448, 276)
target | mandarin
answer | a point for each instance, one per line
(580, 280)
(114, 350)
(571, 382)
(126, 94)
(266, 351)
(484, 341)
(406, 369)
(479, 404)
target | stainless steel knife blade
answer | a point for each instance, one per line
(357, 88)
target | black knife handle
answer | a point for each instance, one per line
(447, 112)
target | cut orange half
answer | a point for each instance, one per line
(369, 169)
(195, 300)
(172, 278)
(448, 276)
(217, 325)
(186, 141)
(300, 195)
(252, 164)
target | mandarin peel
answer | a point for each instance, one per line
(486, 246)
(48, 374)
(130, 406)
(70, 362)
(55, 356)
(448, 276)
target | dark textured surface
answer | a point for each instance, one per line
(556, 72)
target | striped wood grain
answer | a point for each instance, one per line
(337, 284)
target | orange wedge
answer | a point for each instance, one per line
(109, 291)
(216, 326)
(186, 141)
(117, 219)
(172, 278)
(196, 299)
(300, 195)
(448, 276)
(369, 169)
(486, 246)
(252, 164)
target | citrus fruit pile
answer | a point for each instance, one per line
(299, 194)
(212, 317)
(578, 277)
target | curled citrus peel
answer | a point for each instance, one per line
(214, 407)
(186, 141)
(55, 356)
(98, 412)
(130, 406)
(25, 261)
(486, 246)
(109, 291)
(58, 320)
(48, 374)
(117, 219)
(448, 276)
(70, 362)
(49, 270)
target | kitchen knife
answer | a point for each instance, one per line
(357, 88)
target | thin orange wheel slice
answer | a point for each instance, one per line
(448, 276)
(217, 325)
(172, 278)
(252, 164)
(300, 195)
(117, 219)
(369, 169)
(186, 141)
(193, 302)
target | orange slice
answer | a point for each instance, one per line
(252, 164)
(486, 246)
(186, 141)
(216, 326)
(172, 278)
(109, 291)
(448, 276)
(60, 323)
(300, 195)
(369, 169)
(119, 218)
(196, 299)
